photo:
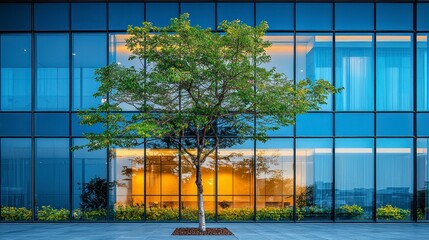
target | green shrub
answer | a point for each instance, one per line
(90, 215)
(126, 213)
(15, 214)
(236, 214)
(191, 214)
(389, 212)
(274, 214)
(162, 214)
(48, 213)
(350, 211)
(420, 214)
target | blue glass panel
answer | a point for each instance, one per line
(354, 71)
(422, 16)
(123, 14)
(422, 73)
(395, 176)
(202, 14)
(160, 13)
(354, 16)
(51, 124)
(423, 124)
(233, 11)
(15, 72)
(314, 124)
(52, 72)
(281, 53)
(15, 124)
(394, 72)
(394, 16)
(52, 173)
(278, 15)
(88, 16)
(314, 59)
(15, 16)
(354, 124)
(78, 130)
(422, 179)
(51, 16)
(394, 124)
(16, 173)
(89, 53)
(313, 16)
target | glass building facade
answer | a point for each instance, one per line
(362, 157)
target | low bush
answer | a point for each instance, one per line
(90, 215)
(388, 212)
(162, 214)
(127, 213)
(48, 213)
(235, 214)
(15, 214)
(350, 211)
(191, 214)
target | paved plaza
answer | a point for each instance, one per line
(242, 231)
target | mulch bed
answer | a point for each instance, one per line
(196, 231)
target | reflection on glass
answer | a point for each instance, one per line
(274, 180)
(354, 71)
(394, 72)
(16, 179)
(281, 52)
(422, 73)
(354, 179)
(313, 179)
(233, 11)
(394, 179)
(422, 179)
(202, 14)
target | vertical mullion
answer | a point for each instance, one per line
(217, 148)
(33, 101)
(333, 109)
(145, 140)
(70, 116)
(110, 208)
(294, 126)
(374, 201)
(180, 144)
(0, 138)
(254, 129)
(415, 200)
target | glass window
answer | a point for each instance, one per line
(394, 124)
(313, 16)
(422, 16)
(394, 72)
(88, 16)
(51, 124)
(16, 178)
(89, 53)
(354, 16)
(123, 14)
(15, 124)
(51, 16)
(422, 124)
(314, 59)
(202, 14)
(394, 179)
(281, 53)
(15, 16)
(52, 72)
(279, 16)
(354, 179)
(314, 179)
(233, 11)
(90, 187)
(354, 71)
(394, 16)
(78, 130)
(15, 72)
(52, 178)
(314, 124)
(354, 124)
(422, 73)
(160, 13)
(422, 179)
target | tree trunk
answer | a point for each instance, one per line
(201, 215)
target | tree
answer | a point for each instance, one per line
(197, 85)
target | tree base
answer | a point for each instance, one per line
(196, 231)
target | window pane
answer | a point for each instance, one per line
(202, 14)
(52, 72)
(314, 124)
(394, 72)
(16, 178)
(394, 16)
(233, 11)
(78, 130)
(160, 13)
(278, 15)
(422, 124)
(351, 16)
(52, 178)
(281, 53)
(354, 71)
(394, 124)
(51, 124)
(88, 16)
(15, 124)
(15, 16)
(314, 179)
(314, 16)
(422, 179)
(354, 179)
(51, 16)
(89, 53)
(123, 14)
(422, 16)
(394, 179)
(422, 73)
(354, 124)
(15, 72)
(314, 59)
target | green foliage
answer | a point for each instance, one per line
(15, 214)
(127, 213)
(236, 214)
(90, 215)
(420, 214)
(350, 211)
(48, 213)
(191, 214)
(315, 211)
(94, 195)
(388, 212)
(162, 214)
(274, 214)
